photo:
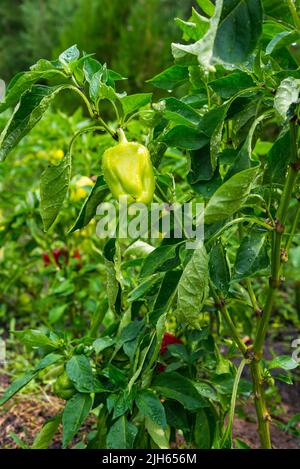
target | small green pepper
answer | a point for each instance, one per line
(63, 387)
(128, 171)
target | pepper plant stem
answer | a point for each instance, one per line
(255, 366)
(226, 316)
(276, 254)
(294, 13)
(263, 417)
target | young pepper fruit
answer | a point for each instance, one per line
(63, 387)
(128, 171)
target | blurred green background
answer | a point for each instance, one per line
(131, 36)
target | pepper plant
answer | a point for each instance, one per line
(225, 133)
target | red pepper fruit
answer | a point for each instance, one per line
(168, 339)
(77, 255)
(60, 256)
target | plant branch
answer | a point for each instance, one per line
(220, 304)
(263, 416)
(294, 13)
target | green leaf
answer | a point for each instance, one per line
(286, 96)
(278, 159)
(207, 6)
(48, 360)
(32, 105)
(80, 373)
(134, 102)
(219, 267)
(53, 188)
(121, 434)
(90, 68)
(230, 196)
(282, 39)
(243, 158)
(195, 28)
(177, 416)
(171, 78)
(239, 30)
(161, 259)
(102, 343)
(97, 80)
(228, 86)
(89, 208)
(75, 413)
(19, 383)
(180, 113)
(112, 285)
(150, 406)
(284, 361)
(175, 386)
(165, 293)
(23, 81)
(68, 56)
(185, 137)
(159, 435)
(252, 256)
(193, 288)
(203, 48)
(46, 434)
(146, 288)
(100, 90)
(56, 313)
(203, 438)
(206, 390)
(35, 338)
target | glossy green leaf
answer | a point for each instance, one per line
(161, 259)
(150, 406)
(69, 56)
(89, 208)
(207, 6)
(175, 386)
(23, 81)
(203, 48)
(32, 105)
(54, 187)
(46, 434)
(185, 137)
(74, 414)
(121, 434)
(134, 102)
(171, 78)
(180, 113)
(252, 256)
(278, 159)
(80, 372)
(219, 267)
(230, 196)
(239, 30)
(202, 434)
(35, 338)
(159, 435)
(282, 39)
(195, 28)
(228, 86)
(284, 361)
(193, 288)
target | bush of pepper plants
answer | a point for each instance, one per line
(154, 348)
